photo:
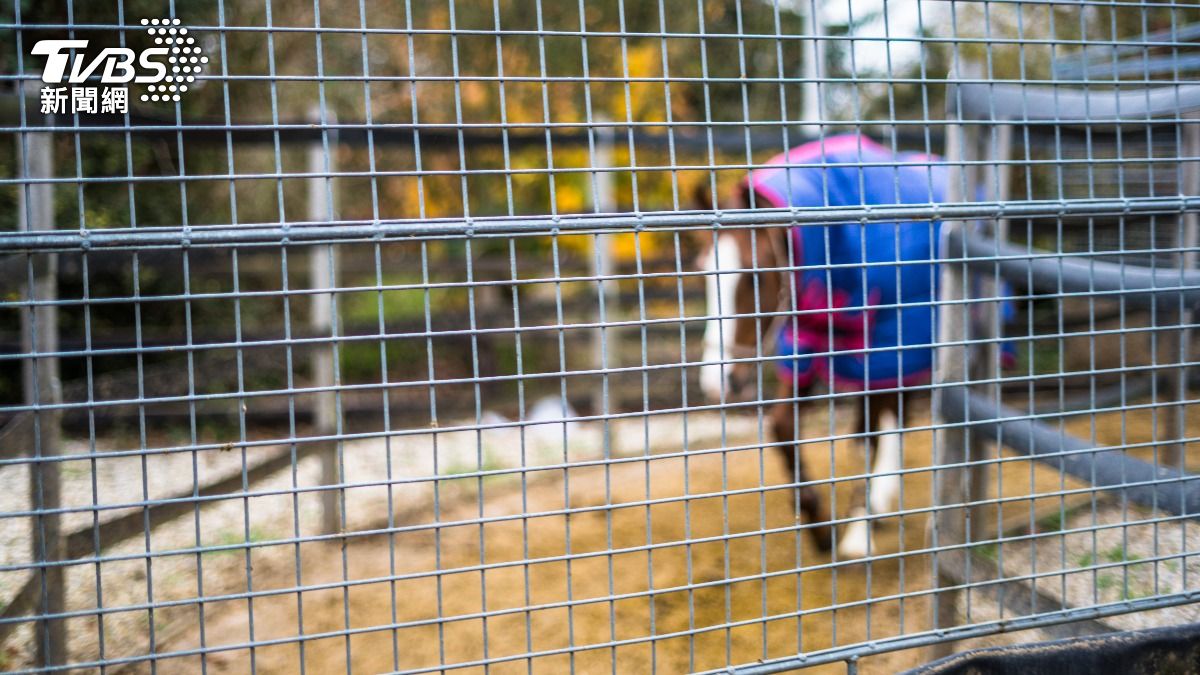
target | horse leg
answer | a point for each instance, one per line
(883, 482)
(783, 423)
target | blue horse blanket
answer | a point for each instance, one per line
(861, 323)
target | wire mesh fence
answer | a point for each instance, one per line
(737, 335)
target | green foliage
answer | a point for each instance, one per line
(1040, 356)
(399, 304)
(236, 538)
(360, 361)
(986, 551)
(1118, 554)
(680, 61)
(1052, 522)
(471, 482)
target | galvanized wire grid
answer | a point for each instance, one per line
(380, 350)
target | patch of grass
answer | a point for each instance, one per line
(1118, 554)
(986, 551)
(75, 470)
(1172, 565)
(458, 468)
(1134, 594)
(360, 361)
(1085, 560)
(1128, 591)
(235, 538)
(1134, 591)
(409, 303)
(1051, 523)
(1145, 569)
(1042, 355)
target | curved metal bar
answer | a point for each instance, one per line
(1001, 102)
(1107, 468)
(1109, 396)
(1045, 271)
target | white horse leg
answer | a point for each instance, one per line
(856, 540)
(720, 295)
(885, 483)
(884, 486)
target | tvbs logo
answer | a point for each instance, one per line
(166, 69)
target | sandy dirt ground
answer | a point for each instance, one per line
(745, 577)
(653, 567)
(741, 564)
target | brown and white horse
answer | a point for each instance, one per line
(748, 278)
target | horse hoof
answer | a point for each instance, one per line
(856, 541)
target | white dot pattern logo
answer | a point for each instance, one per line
(185, 60)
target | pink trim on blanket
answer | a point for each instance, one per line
(806, 378)
(848, 384)
(805, 153)
(815, 297)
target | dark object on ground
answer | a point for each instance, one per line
(1165, 651)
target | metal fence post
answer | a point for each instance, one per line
(1175, 455)
(990, 326)
(604, 200)
(813, 70)
(39, 335)
(323, 273)
(948, 526)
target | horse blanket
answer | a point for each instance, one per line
(860, 323)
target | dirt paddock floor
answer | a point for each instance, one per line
(375, 603)
(744, 559)
(743, 550)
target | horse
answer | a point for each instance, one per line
(824, 302)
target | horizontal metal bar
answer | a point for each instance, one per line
(1175, 35)
(306, 232)
(1048, 272)
(1154, 40)
(562, 278)
(1012, 102)
(1146, 65)
(1105, 467)
(1116, 163)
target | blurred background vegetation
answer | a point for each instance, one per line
(507, 125)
